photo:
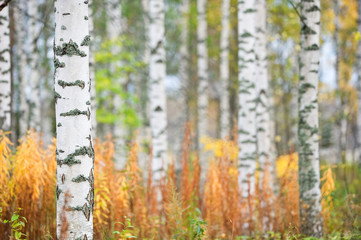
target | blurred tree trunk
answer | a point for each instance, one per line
(202, 72)
(224, 71)
(341, 118)
(262, 88)
(5, 70)
(115, 31)
(34, 63)
(247, 97)
(75, 153)
(20, 67)
(157, 94)
(308, 147)
(358, 60)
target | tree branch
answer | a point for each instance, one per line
(4, 4)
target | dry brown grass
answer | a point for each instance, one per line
(27, 180)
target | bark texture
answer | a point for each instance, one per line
(157, 95)
(247, 141)
(224, 71)
(202, 72)
(308, 147)
(75, 153)
(5, 73)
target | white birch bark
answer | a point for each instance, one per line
(33, 63)
(92, 70)
(157, 95)
(262, 108)
(75, 154)
(202, 72)
(114, 31)
(247, 96)
(358, 57)
(20, 36)
(5, 71)
(224, 71)
(308, 148)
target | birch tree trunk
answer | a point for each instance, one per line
(5, 71)
(114, 31)
(262, 108)
(247, 141)
(224, 71)
(75, 153)
(341, 119)
(157, 94)
(308, 148)
(92, 71)
(20, 36)
(358, 57)
(33, 62)
(202, 72)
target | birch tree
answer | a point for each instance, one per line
(308, 148)
(20, 68)
(224, 70)
(5, 64)
(358, 57)
(75, 154)
(114, 31)
(157, 95)
(262, 108)
(202, 72)
(247, 141)
(33, 62)
(92, 70)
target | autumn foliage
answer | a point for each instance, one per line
(189, 209)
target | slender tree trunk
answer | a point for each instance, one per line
(33, 62)
(247, 96)
(157, 94)
(5, 70)
(224, 70)
(114, 13)
(358, 57)
(202, 72)
(340, 104)
(75, 153)
(20, 36)
(92, 70)
(308, 147)
(262, 108)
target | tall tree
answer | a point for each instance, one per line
(33, 62)
(75, 154)
(308, 147)
(262, 107)
(20, 67)
(247, 141)
(341, 119)
(157, 94)
(114, 31)
(202, 72)
(92, 69)
(358, 60)
(224, 70)
(5, 64)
